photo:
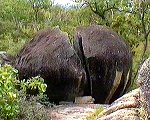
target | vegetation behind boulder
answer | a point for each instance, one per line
(20, 19)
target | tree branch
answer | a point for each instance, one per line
(102, 14)
(146, 33)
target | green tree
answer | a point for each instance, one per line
(20, 19)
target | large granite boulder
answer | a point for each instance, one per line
(134, 105)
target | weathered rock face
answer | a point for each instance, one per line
(100, 68)
(131, 106)
(50, 55)
(134, 105)
(144, 82)
(107, 61)
(124, 108)
(33, 60)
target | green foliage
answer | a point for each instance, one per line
(10, 98)
(9, 104)
(20, 19)
(35, 83)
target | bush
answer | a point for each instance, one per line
(33, 84)
(12, 101)
(30, 109)
(9, 104)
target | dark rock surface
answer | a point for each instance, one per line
(134, 105)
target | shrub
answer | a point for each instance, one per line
(33, 84)
(30, 109)
(13, 102)
(9, 106)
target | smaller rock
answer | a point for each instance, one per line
(84, 100)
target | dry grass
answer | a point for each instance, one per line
(93, 116)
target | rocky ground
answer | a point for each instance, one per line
(129, 106)
(73, 112)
